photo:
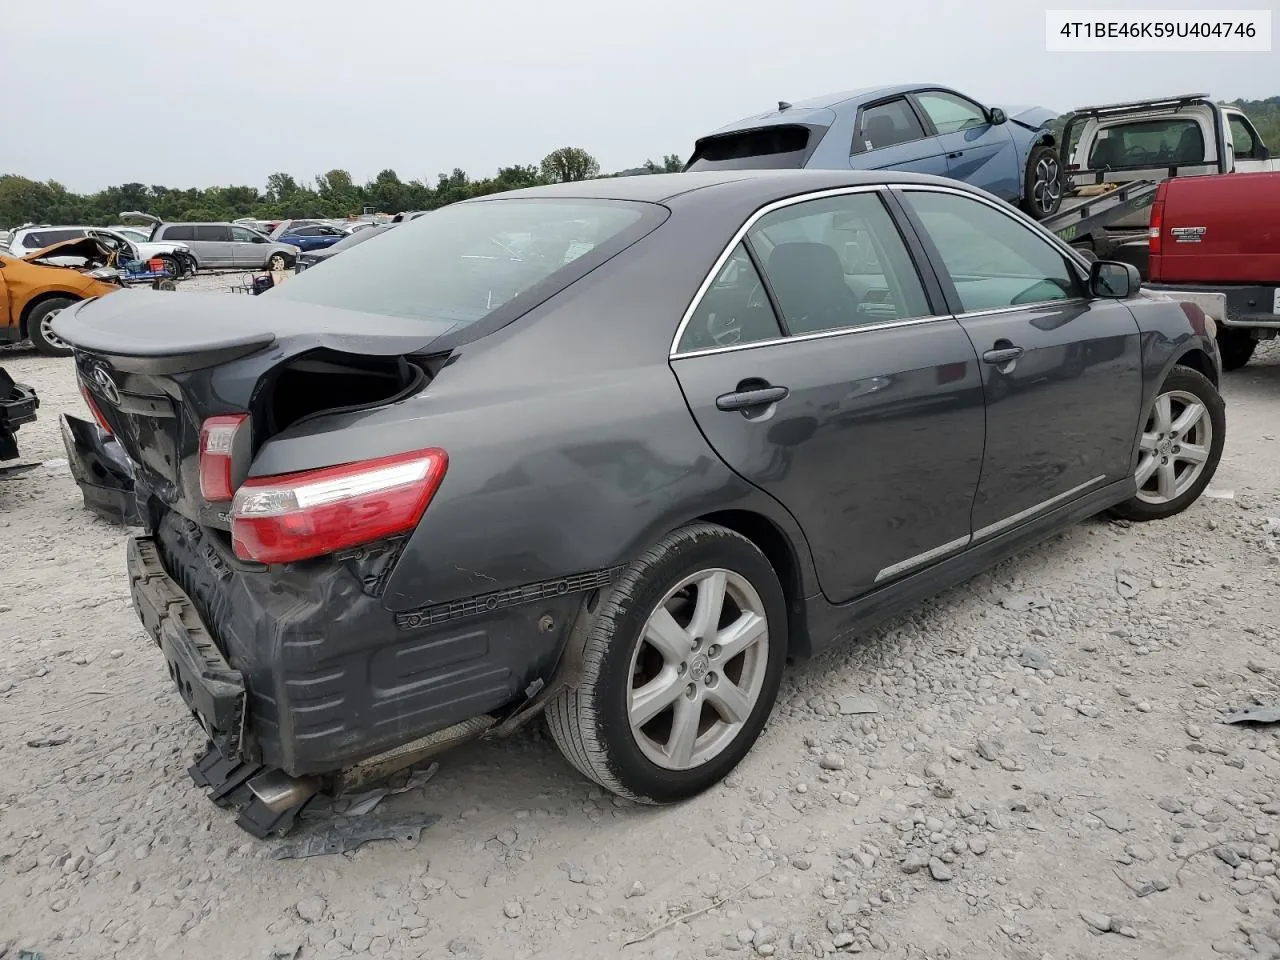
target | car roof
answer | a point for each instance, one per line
(818, 109)
(761, 185)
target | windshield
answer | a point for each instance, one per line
(468, 259)
(131, 233)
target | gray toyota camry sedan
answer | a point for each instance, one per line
(613, 451)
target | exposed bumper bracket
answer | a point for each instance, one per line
(227, 780)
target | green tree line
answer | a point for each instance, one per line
(332, 194)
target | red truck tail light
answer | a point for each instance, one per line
(218, 436)
(94, 409)
(1153, 231)
(296, 516)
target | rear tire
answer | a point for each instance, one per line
(1042, 183)
(39, 330)
(1236, 347)
(1187, 415)
(655, 667)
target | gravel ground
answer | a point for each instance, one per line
(1031, 766)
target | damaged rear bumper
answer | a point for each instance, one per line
(101, 470)
(303, 672)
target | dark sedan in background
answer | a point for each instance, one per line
(615, 449)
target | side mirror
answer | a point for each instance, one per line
(1264, 153)
(996, 116)
(1113, 280)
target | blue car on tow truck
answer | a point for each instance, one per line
(921, 128)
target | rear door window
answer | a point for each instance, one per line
(837, 262)
(178, 231)
(733, 311)
(779, 147)
(1175, 141)
(885, 125)
(215, 232)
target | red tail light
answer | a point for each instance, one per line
(218, 438)
(296, 516)
(1153, 231)
(93, 409)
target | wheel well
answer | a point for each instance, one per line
(1046, 140)
(1199, 361)
(36, 301)
(780, 553)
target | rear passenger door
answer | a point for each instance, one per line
(1061, 370)
(890, 135)
(216, 239)
(824, 370)
(977, 151)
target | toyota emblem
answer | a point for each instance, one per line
(106, 385)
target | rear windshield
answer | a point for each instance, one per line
(1148, 143)
(467, 260)
(39, 239)
(775, 148)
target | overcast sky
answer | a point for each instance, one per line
(99, 93)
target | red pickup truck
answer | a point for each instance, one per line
(1221, 234)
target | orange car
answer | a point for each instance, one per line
(33, 292)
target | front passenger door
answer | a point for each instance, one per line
(248, 248)
(1061, 370)
(977, 151)
(819, 370)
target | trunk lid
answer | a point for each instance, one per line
(156, 366)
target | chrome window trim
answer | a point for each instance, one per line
(818, 335)
(1082, 270)
(1020, 307)
(674, 352)
(1041, 507)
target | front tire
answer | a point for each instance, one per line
(680, 669)
(1236, 347)
(280, 261)
(40, 327)
(1042, 183)
(1180, 447)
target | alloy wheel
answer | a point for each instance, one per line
(1046, 189)
(698, 669)
(46, 331)
(1174, 447)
